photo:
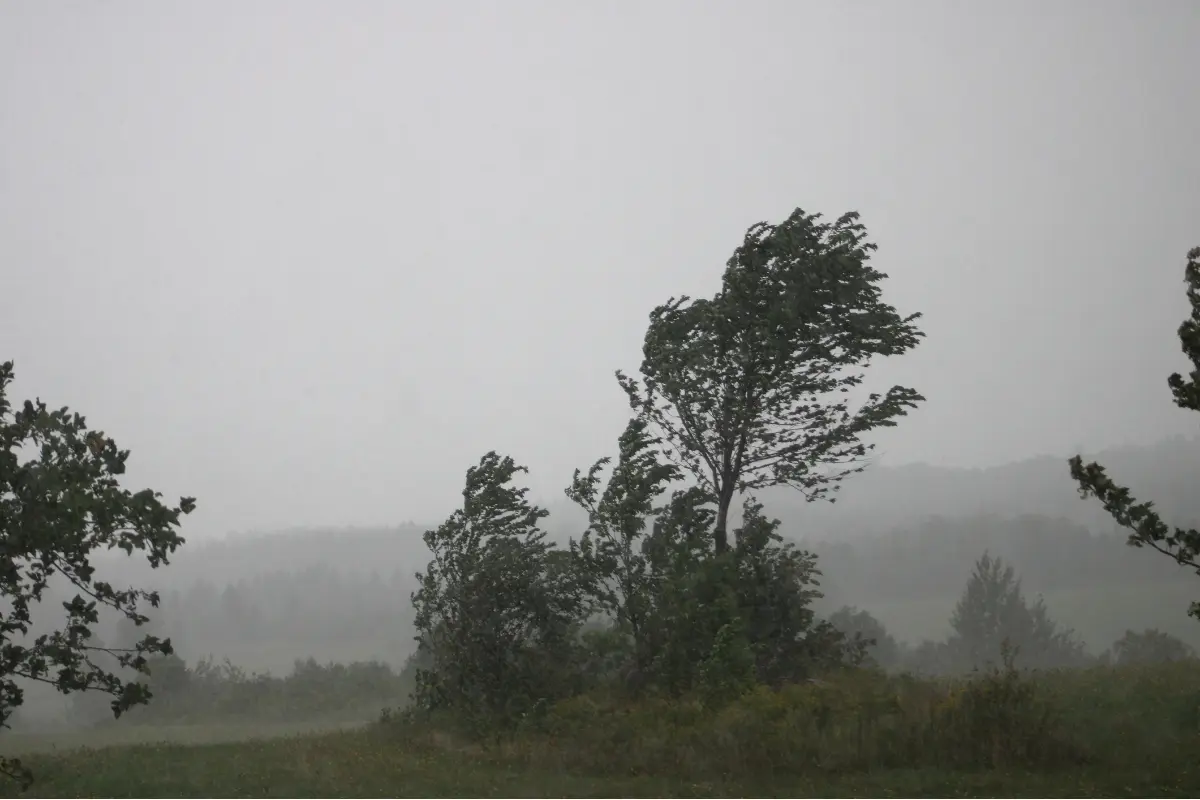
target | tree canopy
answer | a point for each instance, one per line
(750, 388)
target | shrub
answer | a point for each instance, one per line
(857, 719)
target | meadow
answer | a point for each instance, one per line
(1098, 732)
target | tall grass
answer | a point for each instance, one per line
(862, 721)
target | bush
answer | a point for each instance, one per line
(1000, 719)
(498, 608)
(855, 720)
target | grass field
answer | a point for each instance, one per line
(370, 763)
(1104, 732)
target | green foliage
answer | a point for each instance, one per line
(56, 510)
(749, 388)
(1151, 646)
(498, 607)
(609, 553)
(776, 585)
(993, 614)
(854, 721)
(693, 617)
(746, 390)
(1147, 528)
(728, 671)
(1000, 719)
(747, 610)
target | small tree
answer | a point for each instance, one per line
(749, 608)
(1146, 527)
(610, 551)
(56, 510)
(776, 585)
(749, 388)
(497, 607)
(993, 611)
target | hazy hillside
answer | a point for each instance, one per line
(886, 498)
(879, 501)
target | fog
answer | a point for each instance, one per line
(308, 261)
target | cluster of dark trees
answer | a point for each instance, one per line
(738, 393)
(757, 386)
(668, 589)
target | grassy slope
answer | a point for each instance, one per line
(368, 763)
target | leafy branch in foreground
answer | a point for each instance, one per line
(56, 510)
(1146, 526)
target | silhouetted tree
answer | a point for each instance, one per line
(618, 575)
(749, 388)
(496, 610)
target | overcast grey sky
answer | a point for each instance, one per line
(309, 260)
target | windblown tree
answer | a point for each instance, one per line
(57, 509)
(1146, 526)
(750, 388)
(610, 551)
(498, 607)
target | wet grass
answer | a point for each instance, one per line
(369, 763)
(1130, 732)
